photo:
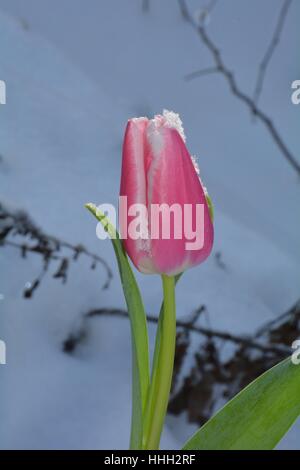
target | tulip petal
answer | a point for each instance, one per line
(172, 179)
(158, 172)
(133, 186)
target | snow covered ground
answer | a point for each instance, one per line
(72, 81)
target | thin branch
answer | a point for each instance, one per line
(76, 249)
(18, 224)
(23, 247)
(204, 12)
(201, 73)
(270, 50)
(292, 313)
(146, 6)
(190, 325)
(184, 10)
(236, 91)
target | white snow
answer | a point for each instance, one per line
(61, 133)
(173, 120)
(168, 119)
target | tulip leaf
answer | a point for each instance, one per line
(139, 333)
(258, 417)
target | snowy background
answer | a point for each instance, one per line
(75, 71)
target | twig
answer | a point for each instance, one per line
(146, 6)
(24, 248)
(200, 73)
(219, 260)
(205, 11)
(190, 325)
(18, 223)
(292, 313)
(270, 50)
(184, 10)
(236, 91)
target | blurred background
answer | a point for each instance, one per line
(75, 72)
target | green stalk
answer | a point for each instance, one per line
(162, 369)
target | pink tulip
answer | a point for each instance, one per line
(158, 169)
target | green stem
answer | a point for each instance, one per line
(162, 369)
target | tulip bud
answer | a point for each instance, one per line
(166, 226)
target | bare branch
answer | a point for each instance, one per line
(184, 10)
(146, 6)
(190, 325)
(202, 376)
(291, 313)
(270, 50)
(203, 14)
(33, 240)
(236, 91)
(201, 73)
